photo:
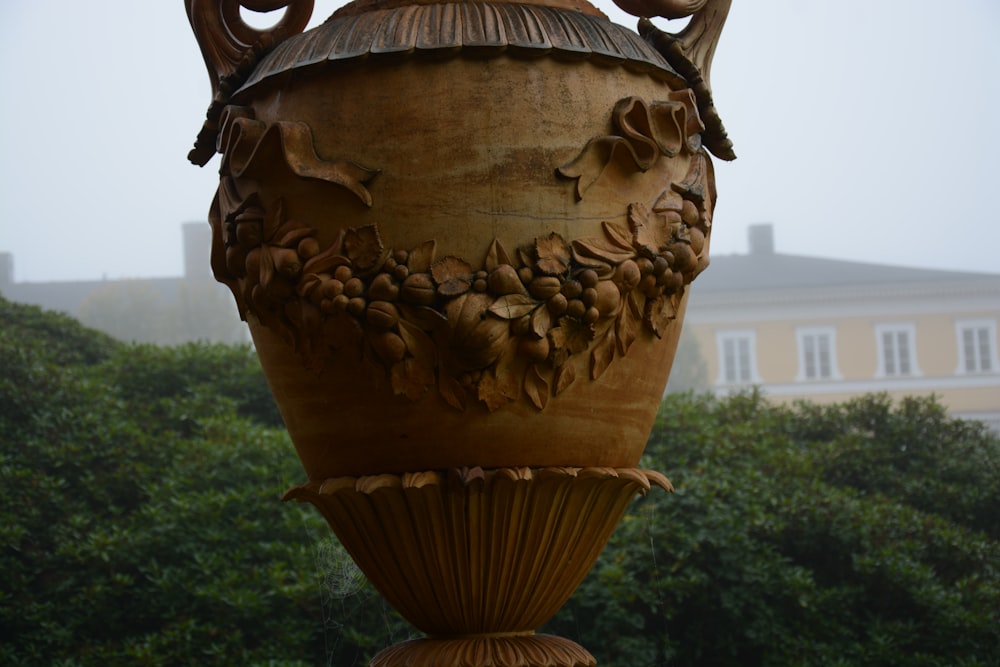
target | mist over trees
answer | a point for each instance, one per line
(142, 525)
(135, 311)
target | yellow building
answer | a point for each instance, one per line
(826, 330)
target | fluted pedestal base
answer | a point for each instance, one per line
(494, 651)
(478, 559)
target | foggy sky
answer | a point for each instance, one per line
(865, 131)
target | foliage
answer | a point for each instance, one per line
(855, 534)
(141, 526)
(141, 522)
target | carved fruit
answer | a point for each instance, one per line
(343, 273)
(354, 287)
(418, 289)
(253, 262)
(628, 275)
(382, 315)
(383, 288)
(589, 278)
(544, 287)
(308, 248)
(649, 287)
(235, 261)
(697, 240)
(478, 338)
(389, 347)
(355, 305)
(608, 297)
(558, 304)
(535, 349)
(576, 308)
(332, 288)
(287, 262)
(689, 213)
(504, 280)
(571, 289)
(248, 234)
(685, 258)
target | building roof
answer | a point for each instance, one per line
(774, 271)
(763, 270)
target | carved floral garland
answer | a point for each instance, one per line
(511, 324)
(491, 331)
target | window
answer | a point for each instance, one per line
(897, 351)
(977, 346)
(737, 362)
(817, 354)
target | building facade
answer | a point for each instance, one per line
(826, 330)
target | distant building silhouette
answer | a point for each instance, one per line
(826, 330)
(174, 293)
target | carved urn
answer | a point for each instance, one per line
(462, 234)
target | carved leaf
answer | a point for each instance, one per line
(602, 267)
(601, 251)
(421, 257)
(513, 306)
(619, 235)
(491, 392)
(291, 233)
(267, 269)
(452, 275)
(273, 219)
(423, 317)
(326, 260)
(626, 330)
(363, 246)
(565, 375)
(451, 391)
(536, 388)
(643, 229)
(307, 284)
(541, 322)
(659, 313)
(496, 256)
(418, 343)
(411, 378)
(342, 331)
(572, 335)
(553, 254)
(602, 355)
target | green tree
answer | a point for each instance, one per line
(141, 518)
(855, 534)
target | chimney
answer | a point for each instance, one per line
(197, 250)
(761, 239)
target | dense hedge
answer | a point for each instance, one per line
(855, 534)
(141, 526)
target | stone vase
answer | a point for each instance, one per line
(462, 235)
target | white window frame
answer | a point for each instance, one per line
(984, 347)
(802, 334)
(891, 364)
(746, 338)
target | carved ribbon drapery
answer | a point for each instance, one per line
(646, 131)
(251, 147)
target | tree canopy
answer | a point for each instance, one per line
(142, 526)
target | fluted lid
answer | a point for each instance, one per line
(373, 29)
